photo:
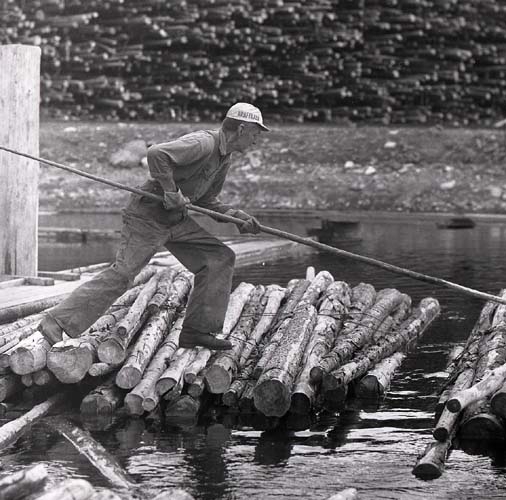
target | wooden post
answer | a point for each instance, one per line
(19, 116)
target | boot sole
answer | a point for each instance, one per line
(191, 346)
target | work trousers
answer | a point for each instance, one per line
(208, 258)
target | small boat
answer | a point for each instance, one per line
(457, 223)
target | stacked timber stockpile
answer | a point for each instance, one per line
(413, 61)
(296, 350)
(472, 405)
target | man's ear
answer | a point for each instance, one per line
(240, 129)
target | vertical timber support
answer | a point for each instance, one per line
(19, 130)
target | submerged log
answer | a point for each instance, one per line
(144, 397)
(30, 355)
(103, 400)
(329, 322)
(238, 299)
(71, 489)
(10, 384)
(272, 393)
(97, 455)
(21, 484)
(12, 430)
(183, 407)
(375, 383)
(362, 297)
(222, 370)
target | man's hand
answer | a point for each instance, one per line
(250, 224)
(175, 200)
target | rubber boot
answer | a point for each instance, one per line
(50, 329)
(189, 338)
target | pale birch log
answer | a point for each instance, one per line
(280, 325)
(272, 393)
(103, 400)
(329, 322)
(273, 297)
(491, 383)
(71, 359)
(30, 355)
(447, 420)
(246, 400)
(20, 323)
(197, 387)
(12, 430)
(23, 483)
(145, 274)
(163, 290)
(347, 345)
(310, 273)
(453, 359)
(175, 371)
(71, 489)
(432, 462)
(412, 328)
(198, 364)
(11, 338)
(143, 397)
(113, 348)
(96, 454)
(402, 311)
(100, 369)
(375, 383)
(222, 369)
(238, 298)
(362, 297)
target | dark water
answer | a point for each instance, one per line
(373, 451)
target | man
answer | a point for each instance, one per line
(189, 169)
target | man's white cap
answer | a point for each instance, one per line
(247, 113)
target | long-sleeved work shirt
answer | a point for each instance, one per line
(196, 163)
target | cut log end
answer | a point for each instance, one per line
(441, 434)
(128, 377)
(316, 374)
(427, 470)
(133, 404)
(369, 388)
(482, 427)
(218, 380)
(111, 352)
(300, 404)
(272, 398)
(70, 365)
(454, 405)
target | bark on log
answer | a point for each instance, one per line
(97, 455)
(246, 401)
(221, 371)
(175, 371)
(498, 402)
(482, 426)
(14, 313)
(113, 348)
(175, 391)
(12, 430)
(11, 338)
(196, 366)
(329, 322)
(232, 396)
(280, 324)
(431, 464)
(30, 355)
(103, 400)
(145, 275)
(162, 290)
(362, 297)
(453, 360)
(100, 369)
(238, 298)
(273, 297)
(23, 483)
(10, 384)
(272, 393)
(375, 383)
(20, 323)
(412, 328)
(143, 397)
(71, 489)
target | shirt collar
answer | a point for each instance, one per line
(222, 144)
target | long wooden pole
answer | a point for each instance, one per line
(282, 234)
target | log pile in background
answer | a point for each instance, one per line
(415, 61)
(471, 406)
(280, 336)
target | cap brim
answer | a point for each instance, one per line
(267, 129)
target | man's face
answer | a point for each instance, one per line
(247, 134)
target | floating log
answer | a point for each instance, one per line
(12, 430)
(432, 462)
(23, 483)
(183, 407)
(30, 355)
(97, 455)
(113, 348)
(71, 489)
(221, 371)
(375, 383)
(453, 359)
(331, 314)
(238, 298)
(362, 297)
(175, 371)
(144, 397)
